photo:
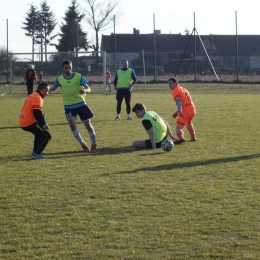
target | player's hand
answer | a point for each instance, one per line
(46, 127)
(115, 87)
(175, 114)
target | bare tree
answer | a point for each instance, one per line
(99, 15)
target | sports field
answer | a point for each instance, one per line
(199, 201)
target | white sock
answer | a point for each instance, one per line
(77, 135)
(92, 136)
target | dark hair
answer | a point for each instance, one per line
(42, 85)
(66, 62)
(173, 79)
(138, 106)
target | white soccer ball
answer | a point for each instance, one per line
(167, 145)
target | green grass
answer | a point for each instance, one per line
(199, 201)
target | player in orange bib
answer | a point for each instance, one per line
(186, 110)
(32, 120)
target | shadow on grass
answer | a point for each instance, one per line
(17, 126)
(171, 166)
(46, 156)
(66, 154)
(59, 124)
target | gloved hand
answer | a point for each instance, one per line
(175, 114)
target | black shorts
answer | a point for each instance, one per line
(84, 113)
(120, 94)
(148, 144)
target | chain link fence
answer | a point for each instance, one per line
(92, 65)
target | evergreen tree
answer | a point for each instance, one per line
(73, 38)
(32, 25)
(47, 23)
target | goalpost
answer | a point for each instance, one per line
(91, 65)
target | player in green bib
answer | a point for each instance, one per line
(73, 91)
(157, 128)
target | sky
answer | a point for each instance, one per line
(168, 16)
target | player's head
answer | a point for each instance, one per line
(67, 67)
(43, 88)
(173, 82)
(139, 109)
(125, 64)
(66, 62)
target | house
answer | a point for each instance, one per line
(173, 50)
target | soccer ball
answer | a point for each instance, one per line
(167, 145)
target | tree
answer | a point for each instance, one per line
(32, 25)
(73, 38)
(47, 23)
(100, 15)
(187, 31)
(3, 54)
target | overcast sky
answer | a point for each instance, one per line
(169, 16)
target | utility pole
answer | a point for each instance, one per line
(41, 46)
(77, 43)
(154, 43)
(7, 56)
(115, 67)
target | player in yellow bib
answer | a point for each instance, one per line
(157, 128)
(123, 84)
(73, 90)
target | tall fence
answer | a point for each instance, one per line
(92, 65)
(203, 68)
(150, 67)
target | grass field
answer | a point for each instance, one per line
(199, 201)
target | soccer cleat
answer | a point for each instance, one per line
(42, 153)
(85, 147)
(129, 118)
(36, 156)
(93, 148)
(193, 139)
(117, 118)
(180, 141)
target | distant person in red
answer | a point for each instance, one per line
(108, 79)
(30, 76)
(186, 110)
